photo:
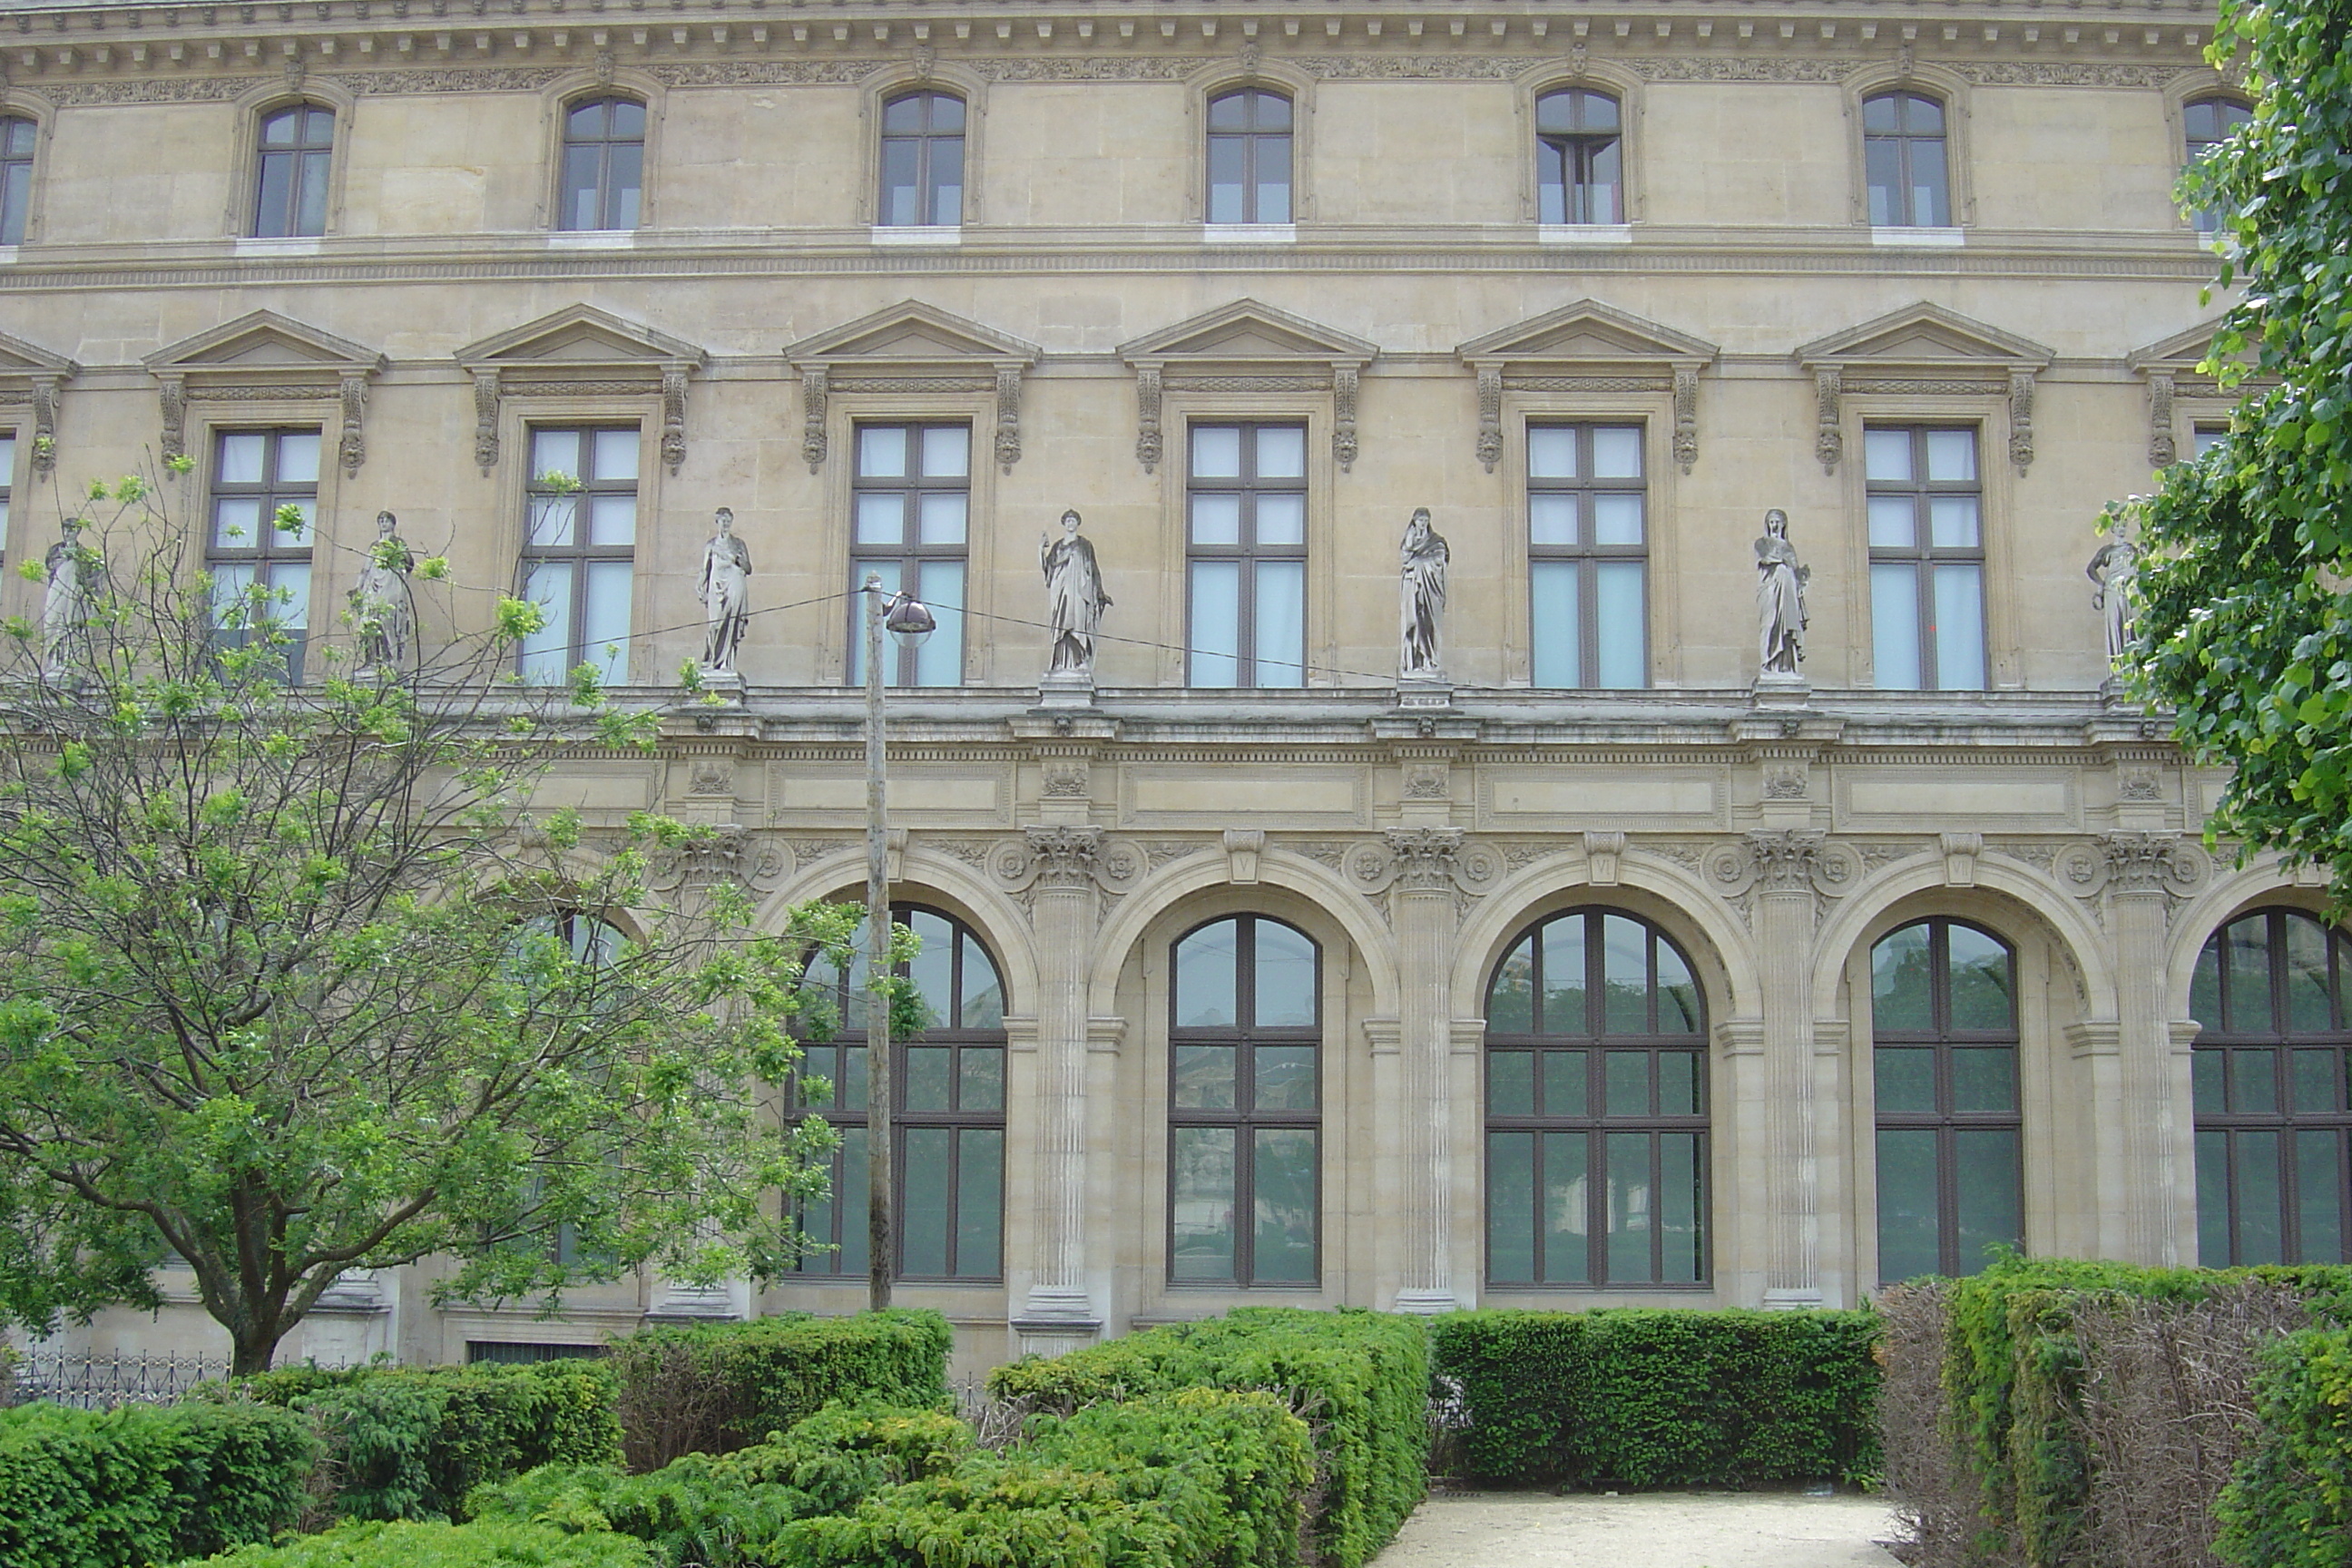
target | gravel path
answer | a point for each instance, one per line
(1652, 1530)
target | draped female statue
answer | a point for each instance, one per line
(1781, 582)
(1420, 599)
(1074, 599)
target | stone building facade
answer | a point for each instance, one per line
(1603, 967)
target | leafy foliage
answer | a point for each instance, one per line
(2290, 1505)
(1651, 1398)
(1360, 1379)
(492, 1544)
(2248, 631)
(294, 979)
(713, 1388)
(126, 1487)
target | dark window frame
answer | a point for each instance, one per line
(2226, 1048)
(831, 1060)
(1244, 1117)
(20, 142)
(1259, 144)
(1566, 161)
(1924, 555)
(2225, 112)
(581, 554)
(309, 155)
(1248, 485)
(1944, 1120)
(1909, 147)
(903, 665)
(928, 143)
(265, 553)
(1595, 1040)
(604, 139)
(1587, 555)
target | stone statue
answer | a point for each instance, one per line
(1781, 582)
(65, 606)
(383, 608)
(1420, 599)
(2114, 567)
(725, 592)
(1074, 599)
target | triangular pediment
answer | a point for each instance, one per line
(911, 332)
(1587, 331)
(1249, 333)
(1926, 334)
(20, 360)
(266, 343)
(2180, 352)
(580, 337)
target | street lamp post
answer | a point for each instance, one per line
(906, 618)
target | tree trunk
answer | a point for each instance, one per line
(253, 1348)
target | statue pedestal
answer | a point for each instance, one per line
(1066, 688)
(1419, 693)
(2114, 693)
(1775, 689)
(727, 685)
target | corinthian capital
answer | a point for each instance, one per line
(1065, 856)
(1785, 860)
(2145, 863)
(1425, 857)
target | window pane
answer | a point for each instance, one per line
(1269, 111)
(614, 453)
(1678, 1083)
(1900, 984)
(1621, 616)
(947, 113)
(2205, 986)
(575, 204)
(1951, 456)
(1511, 1001)
(849, 1094)
(272, 207)
(2319, 1196)
(2253, 1082)
(628, 118)
(1216, 519)
(1563, 977)
(1991, 1206)
(1281, 519)
(1280, 627)
(1952, 522)
(1626, 1082)
(2205, 1080)
(1629, 1209)
(605, 627)
(311, 195)
(1204, 978)
(1511, 1083)
(1551, 519)
(1929, 205)
(1598, 195)
(555, 452)
(980, 1202)
(1567, 1083)
(1617, 452)
(1907, 1240)
(1201, 1203)
(290, 582)
(946, 451)
(923, 1188)
(982, 1071)
(1551, 452)
(1284, 995)
(1568, 1257)
(1679, 1206)
(1616, 520)
(1906, 1080)
(1984, 1078)
(612, 520)
(1227, 158)
(1510, 1206)
(939, 516)
(1624, 979)
(1894, 523)
(938, 661)
(241, 458)
(849, 1190)
(1281, 452)
(1273, 180)
(547, 651)
(2307, 976)
(1555, 652)
(1203, 1077)
(881, 451)
(881, 518)
(1886, 455)
(1980, 981)
(2261, 1216)
(1883, 164)
(1894, 627)
(1230, 112)
(2246, 947)
(2212, 1199)
(1283, 1185)
(236, 524)
(1215, 638)
(551, 519)
(930, 1079)
(2315, 1082)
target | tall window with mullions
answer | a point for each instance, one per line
(1245, 509)
(261, 569)
(922, 161)
(1926, 558)
(949, 1124)
(580, 551)
(913, 512)
(1588, 556)
(1944, 1061)
(1596, 1109)
(1244, 1106)
(603, 169)
(297, 144)
(1249, 157)
(1579, 158)
(2272, 1114)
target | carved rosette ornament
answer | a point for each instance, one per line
(1792, 862)
(2130, 864)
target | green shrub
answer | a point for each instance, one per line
(1360, 1379)
(433, 1545)
(710, 1389)
(122, 1488)
(1656, 1398)
(2290, 1505)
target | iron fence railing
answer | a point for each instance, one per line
(92, 1380)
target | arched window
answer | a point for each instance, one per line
(2271, 1111)
(1944, 1057)
(947, 1125)
(1579, 158)
(1902, 160)
(603, 174)
(290, 194)
(922, 161)
(1596, 1108)
(17, 135)
(2205, 124)
(1249, 157)
(1244, 1106)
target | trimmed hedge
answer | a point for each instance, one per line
(1360, 1379)
(122, 1488)
(2290, 1505)
(717, 1387)
(410, 1443)
(1662, 1398)
(412, 1544)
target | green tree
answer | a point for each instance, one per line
(294, 980)
(2245, 622)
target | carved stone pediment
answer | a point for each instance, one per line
(912, 347)
(2170, 367)
(32, 374)
(1923, 350)
(1247, 347)
(581, 350)
(264, 357)
(1587, 347)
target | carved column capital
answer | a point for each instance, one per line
(1426, 857)
(1065, 856)
(1785, 860)
(2145, 862)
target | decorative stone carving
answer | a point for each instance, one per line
(1961, 852)
(2162, 451)
(73, 570)
(486, 419)
(1065, 781)
(1784, 861)
(1344, 381)
(1602, 853)
(45, 425)
(709, 777)
(1786, 782)
(2020, 420)
(2115, 568)
(350, 447)
(1420, 600)
(172, 391)
(1074, 599)
(1781, 582)
(1008, 416)
(1425, 857)
(1588, 347)
(383, 604)
(813, 396)
(724, 589)
(673, 438)
(1247, 347)
(1829, 437)
(1686, 416)
(1899, 354)
(2139, 785)
(1146, 416)
(1064, 856)
(1242, 848)
(1490, 415)
(1427, 780)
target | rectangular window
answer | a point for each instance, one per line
(1246, 511)
(260, 565)
(1588, 555)
(912, 513)
(2205, 437)
(579, 560)
(1926, 558)
(7, 476)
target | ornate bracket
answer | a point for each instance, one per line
(2020, 420)
(173, 392)
(1686, 415)
(45, 424)
(351, 446)
(1829, 437)
(1146, 416)
(1490, 415)
(2162, 452)
(813, 391)
(1343, 423)
(486, 419)
(673, 440)
(1008, 416)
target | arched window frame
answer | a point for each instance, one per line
(15, 103)
(242, 212)
(2194, 86)
(1628, 90)
(1591, 1083)
(557, 100)
(1952, 92)
(2231, 1081)
(954, 1035)
(1944, 1119)
(888, 86)
(1266, 77)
